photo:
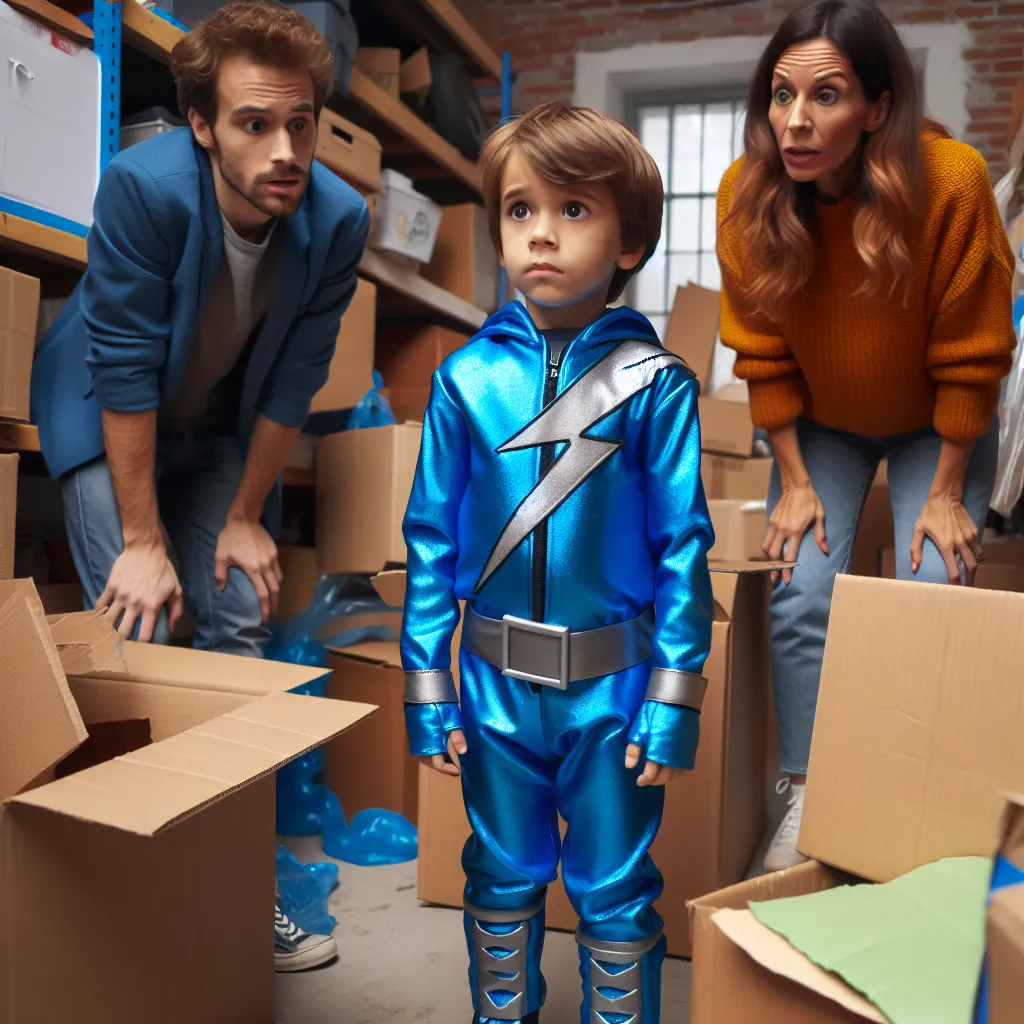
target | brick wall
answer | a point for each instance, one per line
(544, 35)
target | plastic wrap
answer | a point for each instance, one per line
(373, 410)
(1010, 471)
(304, 890)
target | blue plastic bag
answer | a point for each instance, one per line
(304, 890)
(373, 410)
(375, 836)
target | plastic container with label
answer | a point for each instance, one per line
(405, 221)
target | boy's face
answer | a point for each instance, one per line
(560, 244)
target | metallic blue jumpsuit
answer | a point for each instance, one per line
(611, 522)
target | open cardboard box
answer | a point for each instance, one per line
(140, 889)
(919, 728)
(714, 816)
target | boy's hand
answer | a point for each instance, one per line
(450, 765)
(654, 774)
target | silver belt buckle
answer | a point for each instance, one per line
(560, 633)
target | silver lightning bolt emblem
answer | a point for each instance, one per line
(608, 384)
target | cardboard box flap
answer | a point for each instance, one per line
(377, 652)
(1011, 844)
(391, 584)
(1006, 913)
(39, 720)
(204, 670)
(152, 789)
(775, 954)
(87, 643)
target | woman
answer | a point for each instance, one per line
(866, 291)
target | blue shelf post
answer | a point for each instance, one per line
(506, 111)
(106, 27)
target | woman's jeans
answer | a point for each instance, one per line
(842, 467)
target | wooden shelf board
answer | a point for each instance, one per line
(148, 32)
(38, 240)
(18, 437)
(56, 18)
(438, 25)
(414, 296)
(371, 107)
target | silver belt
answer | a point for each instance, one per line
(553, 655)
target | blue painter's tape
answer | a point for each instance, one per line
(49, 220)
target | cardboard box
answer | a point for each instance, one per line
(725, 427)
(363, 482)
(692, 330)
(875, 531)
(918, 728)
(414, 75)
(382, 65)
(298, 566)
(739, 530)
(407, 356)
(8, 513)
(176, 832)
(464, 262)
(348, 150)
(714, 816)
(19, 313)
(1006, 956)
(731, 984)
(374, 670)
(351, 373)
(733, 478)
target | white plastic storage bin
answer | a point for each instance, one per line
(405, 221)
(141, 130)
(49, 120)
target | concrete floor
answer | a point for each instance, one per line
(400, 961)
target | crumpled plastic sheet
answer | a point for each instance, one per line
(304, 891)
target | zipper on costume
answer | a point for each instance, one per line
(547, 457)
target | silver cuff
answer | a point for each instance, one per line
(505, 916)
(671, 686)
(430, 686)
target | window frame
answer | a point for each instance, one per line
(673, 98)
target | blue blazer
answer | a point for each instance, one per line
(122, 340)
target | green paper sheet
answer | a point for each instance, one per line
(913, 946)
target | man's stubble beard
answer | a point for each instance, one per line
(250, 192)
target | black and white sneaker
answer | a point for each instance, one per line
(296, 950)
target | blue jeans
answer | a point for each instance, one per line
(197, 477)
(842, 467)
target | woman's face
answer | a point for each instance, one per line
(818, 113)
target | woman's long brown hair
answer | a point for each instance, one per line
(776, 214)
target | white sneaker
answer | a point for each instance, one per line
(296, 950)
(783, 853)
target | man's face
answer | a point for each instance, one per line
(262, 143)
(819, 113)
(559, 244)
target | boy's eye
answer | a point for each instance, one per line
(254, 125)
(519, 211)
(575, 211)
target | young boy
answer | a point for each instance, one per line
(558, 493)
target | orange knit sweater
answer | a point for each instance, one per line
(866, 364)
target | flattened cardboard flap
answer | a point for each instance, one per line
(204, 670)
(87, 643)
(152, 789)
(39, 721)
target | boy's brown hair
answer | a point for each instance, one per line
(578, 145)
(264, 32)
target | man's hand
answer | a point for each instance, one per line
(245, 544)
(456, 746)
(654, 774)
(141, 582)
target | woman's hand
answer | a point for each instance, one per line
(798, 510)
(946, 522)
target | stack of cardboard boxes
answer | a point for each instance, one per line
(919, 733)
